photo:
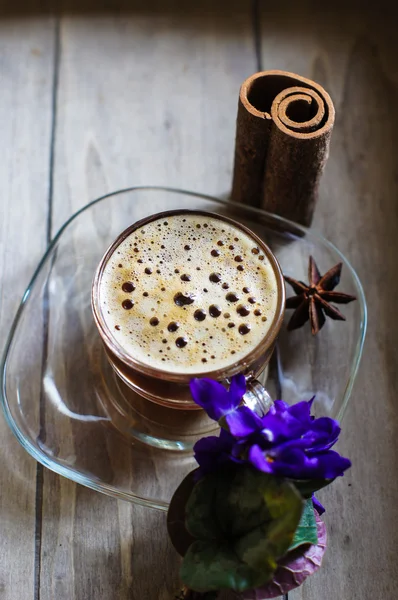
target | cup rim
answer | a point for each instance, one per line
(179, 377)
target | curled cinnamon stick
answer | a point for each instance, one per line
(284, 126)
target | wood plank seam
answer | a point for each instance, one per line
(39, 470)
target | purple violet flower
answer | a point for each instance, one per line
(214, 398)
(281, 422)
(294, 444)
(213, 452)
(286, 442)
(296, 464)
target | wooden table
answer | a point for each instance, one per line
(95, 99)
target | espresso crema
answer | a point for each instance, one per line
(188, 293)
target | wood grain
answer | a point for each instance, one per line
(148, 94)
(353, 55)
(26, 59)
(137, 103)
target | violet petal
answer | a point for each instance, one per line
(211, 396)
(257, 458)
(243, 422)
(237, 388)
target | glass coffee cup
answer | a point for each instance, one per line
(185, 294)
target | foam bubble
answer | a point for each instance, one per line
(188, 294)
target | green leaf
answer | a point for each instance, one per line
(200, 516)
(244, 521)
(210, 566)
(240, 504)
(247, 498)
(261, 547)
(306, 532)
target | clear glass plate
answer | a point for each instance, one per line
(56, 382)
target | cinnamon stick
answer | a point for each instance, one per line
(283, 132)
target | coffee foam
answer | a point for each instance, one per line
(188, 294)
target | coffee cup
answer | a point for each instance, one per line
(185, 294)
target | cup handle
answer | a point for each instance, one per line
(256, 397)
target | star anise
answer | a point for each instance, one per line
(313, 301)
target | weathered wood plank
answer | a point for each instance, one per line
(353, 54)
(147, 96)
(26, 68)
(99, 149)
(158, 106)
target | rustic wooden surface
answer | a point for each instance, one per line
(98, 98)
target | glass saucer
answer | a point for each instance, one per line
(57, 386)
